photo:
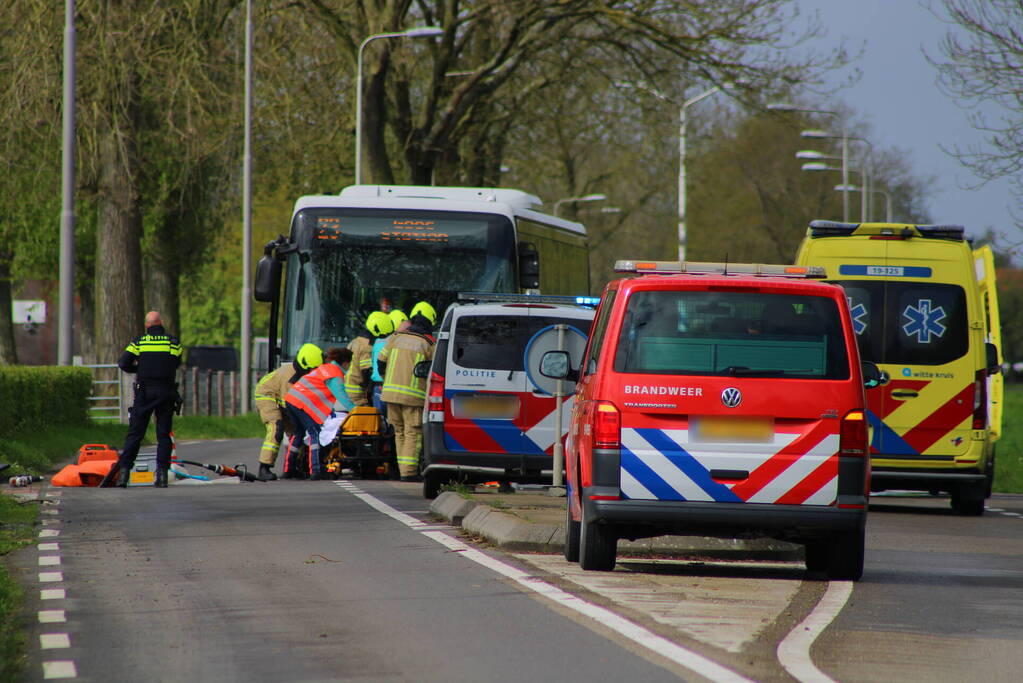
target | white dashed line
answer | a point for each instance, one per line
(49, 546)
(667, 649)
(53, 670)
(49, 533)
(794, 651)
(52, 616)
(50, 577)
(52, 594)
(50, 521)
(54, 641)
(49, 560)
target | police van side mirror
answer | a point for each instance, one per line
(873, 376)
(421, 369)
(993, 366)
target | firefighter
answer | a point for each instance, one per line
(269, 395)
(154, 358)
(403, 392)
(359, 380)
(399, 319)
(311, 401)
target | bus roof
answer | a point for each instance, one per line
(479, 199)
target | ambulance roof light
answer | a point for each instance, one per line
(701, 268)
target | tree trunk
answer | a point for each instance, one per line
(162, 279)
(8, 351)
(119, 227)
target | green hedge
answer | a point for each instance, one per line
(36, 396)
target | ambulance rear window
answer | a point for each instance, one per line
(497, 342)
(742, 334)
(908, 323)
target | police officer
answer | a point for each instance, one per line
(358, 379)
(269, 394)
(154, 358)
(403, 392)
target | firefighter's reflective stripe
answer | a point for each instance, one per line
(401, 353)
(311, 394)
(415, 388)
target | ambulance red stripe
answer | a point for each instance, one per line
(941, 421)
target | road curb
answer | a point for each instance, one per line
(509, 532)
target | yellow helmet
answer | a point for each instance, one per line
(397, 317)
(379, 324)
(309, 356)
(426, 310)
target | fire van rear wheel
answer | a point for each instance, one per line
(572, 531)
(845, 556)
(598, 546)
(432, 481)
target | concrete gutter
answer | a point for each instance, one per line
(509, 531)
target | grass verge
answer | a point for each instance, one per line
(16, 522)
(1009, 462)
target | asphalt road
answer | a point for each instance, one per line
(305, 581)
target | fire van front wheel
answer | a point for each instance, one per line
(598, 546)
(572, 531)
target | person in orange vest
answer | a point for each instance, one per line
(310, 401)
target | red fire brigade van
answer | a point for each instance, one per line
(719, 399)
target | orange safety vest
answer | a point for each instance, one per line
(311, 395)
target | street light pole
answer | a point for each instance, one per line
(67, 212)
(584, 198)
(246, 331)
(418, 32)
(682, 123)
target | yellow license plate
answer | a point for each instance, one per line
(734, 429)
(483, 407)
(141, 478)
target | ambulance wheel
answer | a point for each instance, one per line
(572, 531)
(598, 546)
(969, 500)
(845, 556)
(432, 481)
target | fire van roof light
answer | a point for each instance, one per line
(699, 268)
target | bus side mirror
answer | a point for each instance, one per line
(268, 278)
(529, 266)
(421, 370)
(993, 366)
(873, 376)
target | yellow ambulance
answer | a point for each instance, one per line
(924, 308)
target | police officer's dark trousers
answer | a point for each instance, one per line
(150, 398)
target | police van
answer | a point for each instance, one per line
(924, 308)
(487, 417)
(718, 399)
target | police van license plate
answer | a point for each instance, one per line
(735, 429)
(485, 407)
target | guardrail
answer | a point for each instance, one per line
(205, 392)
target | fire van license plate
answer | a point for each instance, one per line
(735, 429)
(483, 407)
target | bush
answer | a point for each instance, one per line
(38, 396)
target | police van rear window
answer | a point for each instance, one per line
(497, 342)
(742, 334)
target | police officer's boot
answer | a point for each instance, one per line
(123, 476)
(160, 480)
(266, 473)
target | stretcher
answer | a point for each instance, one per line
(363, 447)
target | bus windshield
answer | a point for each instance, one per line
(350, 261)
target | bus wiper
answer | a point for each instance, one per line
(743, 371)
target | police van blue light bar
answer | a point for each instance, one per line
(499, 298)
(700, 268)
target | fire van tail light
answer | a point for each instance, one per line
(607, 426)
(980, 400)
(435, 395)
(852, 438)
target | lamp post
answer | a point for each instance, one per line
(66, 309)
(887, 203)
(584, 198)
(246, 331)
(818, 156)
(845, 188)
(418, 32)
(845, 138)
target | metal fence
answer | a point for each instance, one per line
(205, 392)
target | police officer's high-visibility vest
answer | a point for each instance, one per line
(311, 394)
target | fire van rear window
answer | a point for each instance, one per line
(742, 334)
(497, 342)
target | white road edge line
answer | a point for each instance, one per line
(59, 670)
(794, 651)
(659, 645)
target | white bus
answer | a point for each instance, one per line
(349, 254)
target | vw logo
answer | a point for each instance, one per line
(731, 397)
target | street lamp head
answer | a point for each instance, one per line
(592, 198)
(817, 134)
(816, 166)
(423, 32)
(809, 154)
(611, 209)
(781, 106)
(847, 188)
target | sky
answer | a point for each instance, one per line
(899, 97)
